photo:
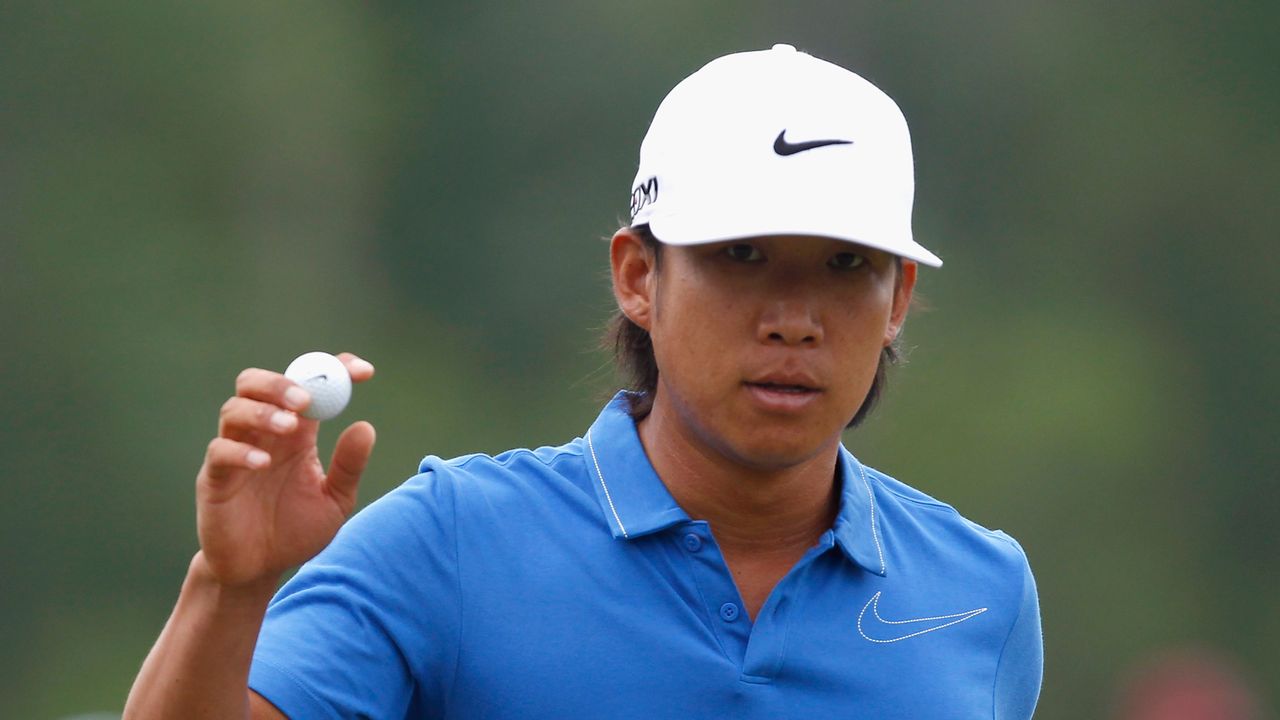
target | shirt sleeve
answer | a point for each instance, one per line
(1021, 666)
(369, 627)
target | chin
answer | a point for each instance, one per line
(777, 452)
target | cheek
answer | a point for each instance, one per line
(871, 313)
(692, 334)
(858, 335)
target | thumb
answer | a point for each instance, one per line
(350, 456)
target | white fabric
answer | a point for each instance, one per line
(709, 170)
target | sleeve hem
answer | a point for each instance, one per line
(284, 691)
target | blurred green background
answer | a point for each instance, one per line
(186, 190)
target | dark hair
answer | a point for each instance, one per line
(633, 352)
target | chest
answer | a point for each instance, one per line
(660, 629)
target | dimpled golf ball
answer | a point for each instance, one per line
(326, 378)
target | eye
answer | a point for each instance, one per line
(847, 261)
(743, 252)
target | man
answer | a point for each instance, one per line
(707, 549)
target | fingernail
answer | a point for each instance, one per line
(258, 458)
(296, 398)
(362, 365)
(283, 420)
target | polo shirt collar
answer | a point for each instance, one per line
(857, 526)
(635, 502)
(632, 497)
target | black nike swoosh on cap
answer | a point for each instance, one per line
(784, 148)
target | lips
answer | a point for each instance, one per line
(783, 393)
(783, 387)
(794, 382)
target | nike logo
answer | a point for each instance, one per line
(784, 148)
(892, 631)
(321, 376)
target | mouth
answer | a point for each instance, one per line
(785, 395)
(786, 381)
(789, 388)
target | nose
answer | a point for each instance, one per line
(790, 321)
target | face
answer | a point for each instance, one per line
(765, 347)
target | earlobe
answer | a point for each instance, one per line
(632, 265)
(891, 332)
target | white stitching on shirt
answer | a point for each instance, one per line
(875, 535)
(607, 496)
(874, 604)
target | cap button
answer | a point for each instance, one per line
(783, 47)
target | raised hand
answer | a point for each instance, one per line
(264, 502)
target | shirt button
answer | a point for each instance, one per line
(692, 542)
(729, 612)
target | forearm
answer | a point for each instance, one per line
(199, 667)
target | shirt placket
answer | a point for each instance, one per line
(721, 602)
(755, 648)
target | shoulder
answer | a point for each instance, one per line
(511, 476)
(916, 523)
(486, 497)
(510, 466)
(428, 507)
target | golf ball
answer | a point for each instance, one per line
(326, 378)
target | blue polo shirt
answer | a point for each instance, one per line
(565, 582)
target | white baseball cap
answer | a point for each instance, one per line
(778, 142)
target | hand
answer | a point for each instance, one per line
(263, 501)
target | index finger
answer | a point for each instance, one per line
(271, 387)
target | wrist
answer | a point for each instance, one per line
(251, 595)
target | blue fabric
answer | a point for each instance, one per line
(566, 582)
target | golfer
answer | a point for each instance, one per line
(707, 549)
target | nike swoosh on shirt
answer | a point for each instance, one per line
(784, 148)
(891, 631)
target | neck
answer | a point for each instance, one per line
(769, 510)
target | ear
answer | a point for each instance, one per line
(635, 274)
(902, 290)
